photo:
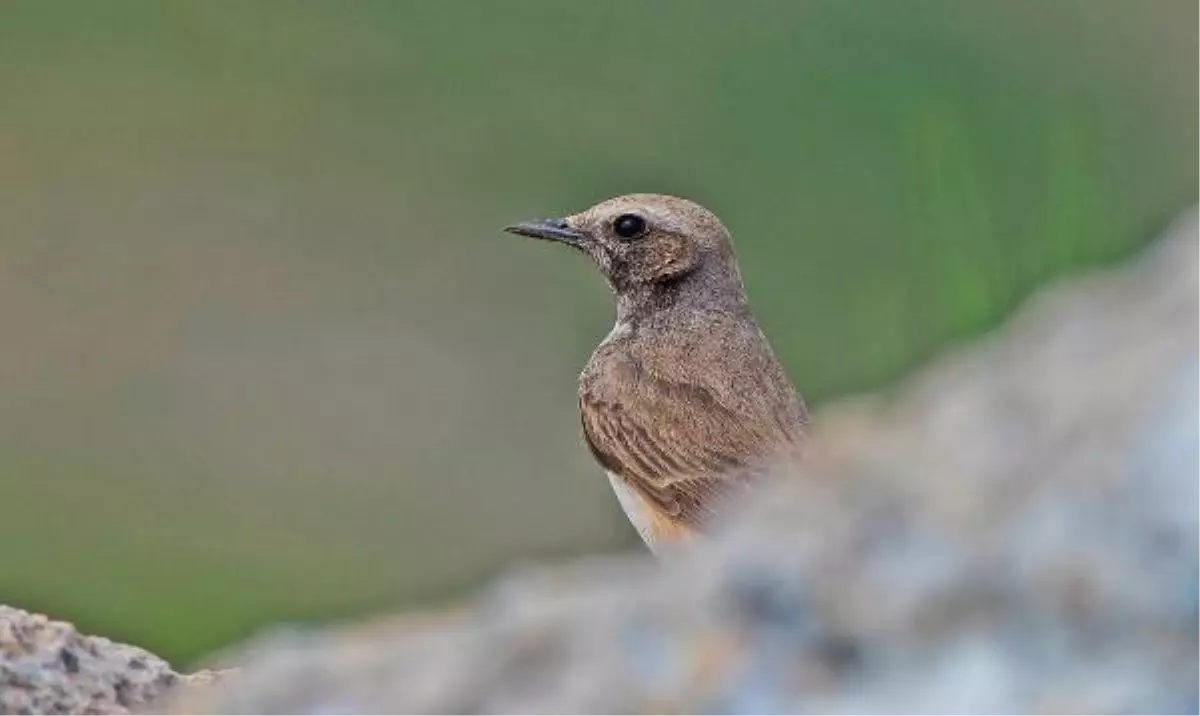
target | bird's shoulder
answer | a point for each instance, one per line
(723, 366)
(687, 417)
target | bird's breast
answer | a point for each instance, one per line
(654, 527)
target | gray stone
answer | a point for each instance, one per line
(1013, 530)
(46, 667)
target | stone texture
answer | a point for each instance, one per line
(1012, 530)
(46, 667)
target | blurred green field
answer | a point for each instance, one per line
(266, 355)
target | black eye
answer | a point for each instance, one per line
(629, 226)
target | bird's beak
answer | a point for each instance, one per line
(549, 229)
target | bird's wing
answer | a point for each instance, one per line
(676, 445)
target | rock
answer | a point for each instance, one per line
(1013, 530)
(1017, 530)
(48, 667)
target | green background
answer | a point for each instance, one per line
(266, 356)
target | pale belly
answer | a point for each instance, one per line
(656, 531)
(635, 509)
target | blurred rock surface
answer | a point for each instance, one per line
(47, 667)
(1012, 530)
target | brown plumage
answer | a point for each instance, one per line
(684, 403)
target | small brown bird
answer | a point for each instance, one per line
(683, 404)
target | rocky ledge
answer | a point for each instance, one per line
(1012, 530)
(47, 667)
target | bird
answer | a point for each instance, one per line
(684, 404)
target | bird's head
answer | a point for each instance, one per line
(650, 245)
